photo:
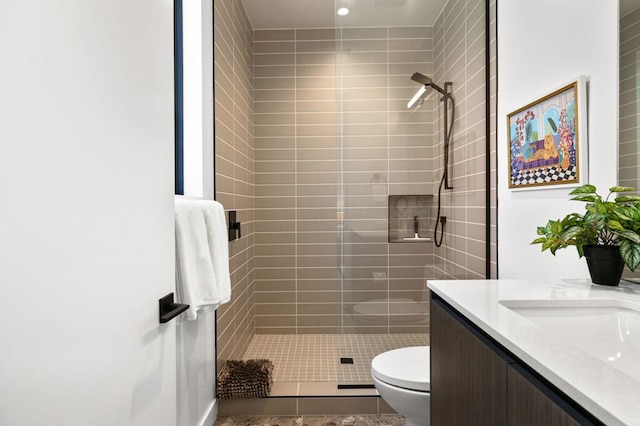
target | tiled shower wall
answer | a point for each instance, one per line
(629, 148)
(629, 100)
(459, 52)
(333, 139)
(234, 165)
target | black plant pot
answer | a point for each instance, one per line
(605, 264)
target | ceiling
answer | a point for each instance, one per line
(272, 14)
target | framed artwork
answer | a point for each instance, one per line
(548, 140)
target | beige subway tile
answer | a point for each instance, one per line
(318, 285)
(327, 142)
(360, 261)
(364, 33)
(274, 83)
(318, 320)
(274, 166)
(365, 81)
(318, 330)
(317, 34)
(274, 119)
(274, 274)
(363, 296)
(275, 238)
(322, 59)
(410, 44)
(274, 71)
(275, 330)
(365, 329)
(275, 190)
(317, 308)
(274, 107)
(317, 94)
(327, 83)
(317, 70)
(355, 118)
(274, 249)
(274, 131)
(317, 262)
(275, 309)
(317, 273)
(274, 95)
(364, 58)
(274, 47)
(411, 32)
(316, 166)
(317, 177)
(274, 178)
(323, 118)
(365, 70)
(275, 262)
(273, 35)
(315, 202)
(277, 142)
(364, 45)
(316, 106)
(362, 106)
(366, 129)
(332, 297)
(280, 286)
(316, 46)
(274, 214)
(275, 320)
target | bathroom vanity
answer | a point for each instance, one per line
(519, 352)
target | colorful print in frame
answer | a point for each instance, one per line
(547, 140)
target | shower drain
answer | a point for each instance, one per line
(346, 360)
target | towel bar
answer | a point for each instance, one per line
(169, 310)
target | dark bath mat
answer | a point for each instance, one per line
(245, 379)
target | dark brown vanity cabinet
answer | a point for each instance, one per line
(475, 381)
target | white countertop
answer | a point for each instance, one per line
(610, 393)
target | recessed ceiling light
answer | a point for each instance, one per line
(343, 11)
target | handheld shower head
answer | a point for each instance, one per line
(426, 82)
(422, 79)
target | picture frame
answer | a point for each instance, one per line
(547, 140)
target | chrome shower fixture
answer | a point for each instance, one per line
(426, 82)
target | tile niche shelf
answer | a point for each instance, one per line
(408, 213)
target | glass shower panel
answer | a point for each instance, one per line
(385, 154)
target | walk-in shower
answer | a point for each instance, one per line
(324, 161)
(449, 103)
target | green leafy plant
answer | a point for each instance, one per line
(607, 223)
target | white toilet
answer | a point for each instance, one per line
(402, 379)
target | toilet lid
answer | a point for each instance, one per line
(405, 367)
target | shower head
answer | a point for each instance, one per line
(426, 82)
(422, 79)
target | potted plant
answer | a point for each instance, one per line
(607, 234)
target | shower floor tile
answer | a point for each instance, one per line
(316, 357)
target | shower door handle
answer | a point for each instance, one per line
(169, 310)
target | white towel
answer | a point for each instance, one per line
(217, 235)
(196, 283)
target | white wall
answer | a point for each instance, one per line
(86, 216)
(542, 45)
(198, 98)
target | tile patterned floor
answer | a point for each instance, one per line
(316, 357)
(373, 420)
